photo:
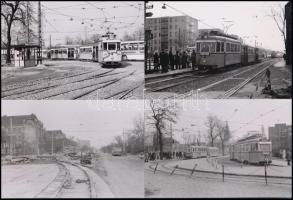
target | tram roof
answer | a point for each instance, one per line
(216, 37)
(134, 41)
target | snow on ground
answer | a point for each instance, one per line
(77, 190)
(125, 176)
(164, 185)
(233, 167)
(26, 180)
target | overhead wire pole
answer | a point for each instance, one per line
(40, 33)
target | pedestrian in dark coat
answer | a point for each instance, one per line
(171, 60)
(156, 61)
(162, 60)
(177, 60)
(193, 59)
(184, 60)
(165, 62)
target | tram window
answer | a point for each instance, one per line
(111, 46)
(204, 47)
(198, 46)
(228, 47)
(118, 46)
(212, 47)
(218, 47)
(105, 45)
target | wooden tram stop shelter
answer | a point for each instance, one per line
(27, 55)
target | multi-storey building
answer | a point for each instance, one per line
(23, 134)
(54, 141)
(281, 137)
(172, 33)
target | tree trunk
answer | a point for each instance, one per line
(160, 141)
(8, 59)
(223, 149)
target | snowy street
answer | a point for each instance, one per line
(124, 175)
(214, 165)
(163, 185)
(26, 180)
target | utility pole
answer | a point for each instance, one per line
(52, 151)
(11, 146)
(40, 34)
(123, 141)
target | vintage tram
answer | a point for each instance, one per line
(254, 149)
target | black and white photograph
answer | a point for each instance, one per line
(146, 99)
(72, 149)
(72, 50)
(218, 149)
(218, 49)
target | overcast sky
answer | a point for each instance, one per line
(97, 121)
(124, 16)
(192, 115)
(249, 18)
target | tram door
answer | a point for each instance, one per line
(96, 53)
(70, 53)
(245, 55)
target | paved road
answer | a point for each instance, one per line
(74, 80)
(124, 175)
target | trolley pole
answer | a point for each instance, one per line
(266, 174)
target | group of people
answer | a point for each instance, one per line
(151, 156)
(167, 60)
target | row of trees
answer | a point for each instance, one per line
(132, 141)
(217, 134)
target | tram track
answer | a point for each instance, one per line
(90, 83)
(72, 181)
(233, 83)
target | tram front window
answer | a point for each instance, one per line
(264, 147)
(205, 47)
(111, 46)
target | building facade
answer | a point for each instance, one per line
(54, 142)
(22, 135)
(281, 137)
(176, 33)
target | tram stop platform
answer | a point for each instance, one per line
(169, 73)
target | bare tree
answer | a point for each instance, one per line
(135, 138)
(12, 11)
(160, 114)
(211, 124)
(279, 18)
(119, 140)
